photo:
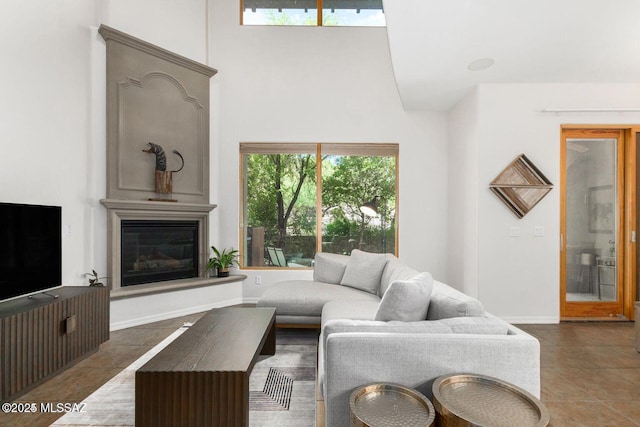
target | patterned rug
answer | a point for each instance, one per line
(281, 387)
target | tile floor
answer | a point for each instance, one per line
(590, 372)
(79, 381)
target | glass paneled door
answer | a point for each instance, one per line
(592, 220)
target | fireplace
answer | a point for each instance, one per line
(156, 246)
(176, 90)
(156, 251)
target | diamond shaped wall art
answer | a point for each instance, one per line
(521, 186)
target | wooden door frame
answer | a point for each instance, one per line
(626, 250)
(630, 221)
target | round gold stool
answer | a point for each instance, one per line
(468, 400)
(390, 405)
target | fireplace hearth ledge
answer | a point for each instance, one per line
(172, 285)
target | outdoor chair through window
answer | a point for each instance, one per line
(276, 257)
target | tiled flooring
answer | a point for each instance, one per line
(79, 381)
(590, 372)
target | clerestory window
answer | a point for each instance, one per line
(349, 13)
(299, 199)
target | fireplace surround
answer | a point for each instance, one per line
(140, 211)
(159, 97)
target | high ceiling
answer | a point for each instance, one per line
(433, 43)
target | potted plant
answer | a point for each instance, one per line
(222, 260)
(95, 281)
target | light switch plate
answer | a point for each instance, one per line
(538, 230)
(514, 231)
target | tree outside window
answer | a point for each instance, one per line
(282, 201)
(348, 183)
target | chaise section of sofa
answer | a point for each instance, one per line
(359, 277)
(300, 302)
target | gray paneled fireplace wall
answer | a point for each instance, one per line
(157, 167)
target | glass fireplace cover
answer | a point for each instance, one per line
(156, 251)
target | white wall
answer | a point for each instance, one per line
(52, 123)
(178, 26)
(45, 116)
(152, 308)
(291, 84)
(274, 84)
(462, 254)
(518, 277)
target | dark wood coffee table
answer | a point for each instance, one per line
(202, 377)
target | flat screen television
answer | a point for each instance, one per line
(30, 249)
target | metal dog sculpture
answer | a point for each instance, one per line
(164, 178)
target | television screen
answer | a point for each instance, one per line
(30, 249)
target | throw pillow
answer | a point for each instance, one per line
(329, 268)
(364, 270)
(394, 270)
(406, 300)
(448, 302)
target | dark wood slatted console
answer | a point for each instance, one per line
(202, 377)
(41, 336)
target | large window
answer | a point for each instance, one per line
(350, 13)
(298, 199)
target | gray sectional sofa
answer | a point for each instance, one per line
(382, 321)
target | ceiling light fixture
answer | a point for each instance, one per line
(481, 64)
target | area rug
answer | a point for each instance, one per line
(281, 387)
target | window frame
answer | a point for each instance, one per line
(319, 17)
(344, 149)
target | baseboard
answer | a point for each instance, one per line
(250, 300)
(172, 314)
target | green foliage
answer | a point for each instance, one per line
(281, 195)
(340, 226)
(348, 183)
(222, 260)
(95, 281)
(330, 20)
(276, 17)
(358, 179)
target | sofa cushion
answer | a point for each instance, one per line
(477, 325)
(448, 302)
(489, 325)
(364, 270)
(406, 300)
(329, 268)
(455, 325)
(349, 309)
(306, 297)
(394, 270)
